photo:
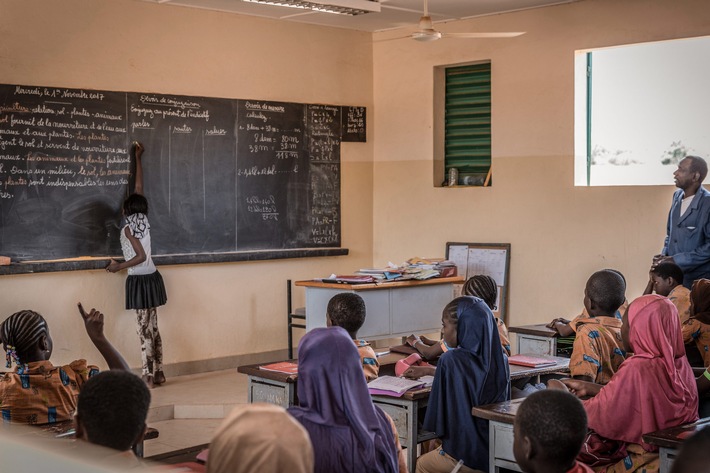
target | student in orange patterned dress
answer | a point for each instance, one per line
(549, 431)
(37, 392)
(347, 310)
(667, 280)
(598, 348)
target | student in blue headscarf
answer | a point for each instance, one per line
(348, 432)
(473, 372)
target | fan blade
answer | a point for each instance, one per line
(482, 35)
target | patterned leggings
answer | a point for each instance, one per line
(151, 344)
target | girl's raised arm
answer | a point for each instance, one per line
(139, 168)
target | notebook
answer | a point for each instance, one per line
(287, 367)
(530, 361)
(393, 385)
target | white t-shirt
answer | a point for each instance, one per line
(685, 203)
(140, 228)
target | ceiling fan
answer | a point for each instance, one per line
(426, 32)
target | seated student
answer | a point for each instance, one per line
(568, 328)
(653, 390)
(700, 315)
(597, 351)
(347, 431)
(693, 455)
(697, 326)
(549, 431)
(38, 392)
(112, 411)
(481, 286)
(472, 373)
(260, 438)
(347, 310)
(666, 279)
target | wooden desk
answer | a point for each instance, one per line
(500, 418)
(404, 411)
(394, 309)
(183, 455)
(670, 440)
(535, 339)
(270, 386)
(561, 366)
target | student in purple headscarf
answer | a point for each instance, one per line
(473, 372)
(348, 432)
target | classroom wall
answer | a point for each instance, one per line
(559, 233)
(215, 311)
(391, 211)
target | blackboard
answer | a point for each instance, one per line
(221, 175)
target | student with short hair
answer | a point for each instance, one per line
(260, 438)
(667, 280)
(597, 351)
(549, 430)
(568, 328)
(347, 310)
(473, 372)
(37, 392)
(112, 410)
(653, 390)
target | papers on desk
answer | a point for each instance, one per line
(287, 367)
(395, 386)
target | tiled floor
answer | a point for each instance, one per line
(187, 410)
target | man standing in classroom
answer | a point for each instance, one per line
(688, 231)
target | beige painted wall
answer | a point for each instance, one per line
(559, 234)
(214, 310)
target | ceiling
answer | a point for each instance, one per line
(394, 13)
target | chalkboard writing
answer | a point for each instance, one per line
(354, 124)
(221, 175)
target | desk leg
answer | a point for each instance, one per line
(666, 455)
(411, 444)
(138, 449)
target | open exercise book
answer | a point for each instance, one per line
(530, 361)
(395, 386)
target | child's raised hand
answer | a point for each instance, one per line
(139, 149)
(93, 322)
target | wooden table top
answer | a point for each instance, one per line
(675, 436)
(540, 330)
(379, 285)
(501, 411)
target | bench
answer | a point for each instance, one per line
(670, 440)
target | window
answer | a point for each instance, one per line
(640, 109)
(463, 124)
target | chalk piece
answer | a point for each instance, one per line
(4, 260)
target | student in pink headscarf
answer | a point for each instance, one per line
(653, 390)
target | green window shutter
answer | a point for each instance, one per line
(467, 142)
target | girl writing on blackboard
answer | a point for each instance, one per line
(145, 290)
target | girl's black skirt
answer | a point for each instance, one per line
(145, 291)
